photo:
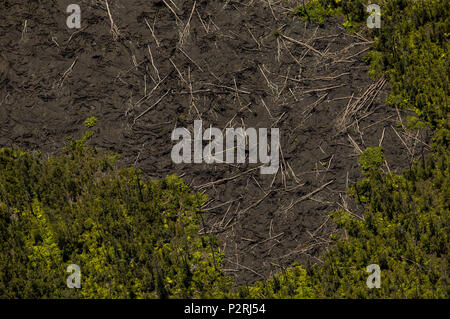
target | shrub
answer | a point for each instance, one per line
(132, 238)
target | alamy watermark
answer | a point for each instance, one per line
(374, 20)
(74, 279)
(374, 279)
(74, 19)
(248, 141)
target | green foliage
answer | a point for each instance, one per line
(371, 159)
(315, 11)
(404, 230)
(354, 10)
(411, 50)
(414, 123)
(131, 238)
(91, 122)
(375, 60)
(292, 283)
(416, 61)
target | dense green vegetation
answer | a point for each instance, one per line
(316, 11)
(132, 238)
(140, 239)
